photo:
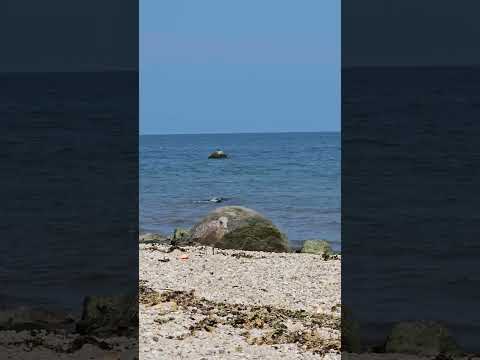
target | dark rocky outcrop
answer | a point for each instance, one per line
(218, 154)
(426, 338)
(180, 236)
(106, 316)
(235, 227)
(350, 332)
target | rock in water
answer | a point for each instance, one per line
(318, 247)
(218, 154)
(236, 227)
(426, 338)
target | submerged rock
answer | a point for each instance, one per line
(109, 316)
(421, 338)
(318, 247)
(236, 227)
(217, 154)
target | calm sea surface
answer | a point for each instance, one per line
(291, 178)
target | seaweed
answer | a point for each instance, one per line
(270, 320)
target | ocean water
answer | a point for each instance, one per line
(69, 187)
(410, 175)
(291, 178)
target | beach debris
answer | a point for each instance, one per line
(236, 227)
(173, 248)
(167, 250)
(269, 325)
(242, 255)
(218, 154)
(79, 342)
(183, 257)
(164, 260)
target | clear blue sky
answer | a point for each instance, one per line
(215, 66)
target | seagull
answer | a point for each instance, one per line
(213, 200)
(218, 199)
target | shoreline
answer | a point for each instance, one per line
(238, 304)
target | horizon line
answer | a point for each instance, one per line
(247, 132)
(396, 66)
(138, 69)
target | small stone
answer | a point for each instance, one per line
(218, 154)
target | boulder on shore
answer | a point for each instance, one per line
(236, 227)
(350, 332)
(106, 316)
(318, 247)
(425, 338)
(151, 238)
(180, 235)
(217, 154)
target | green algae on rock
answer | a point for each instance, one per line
(318, 247)
(109, 316)
(421, 338)
(236, 227)
(180, 234)
(350, 332)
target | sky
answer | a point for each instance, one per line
(216, 66)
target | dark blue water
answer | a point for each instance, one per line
(410, 199)
(293, 179)
(69, 187)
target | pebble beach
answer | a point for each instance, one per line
(197, 303)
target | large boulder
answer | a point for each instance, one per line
(236, 227)
(318, 247)
(426, 338)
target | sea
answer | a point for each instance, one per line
(293, 179)
(69, 187)
(410, 176)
